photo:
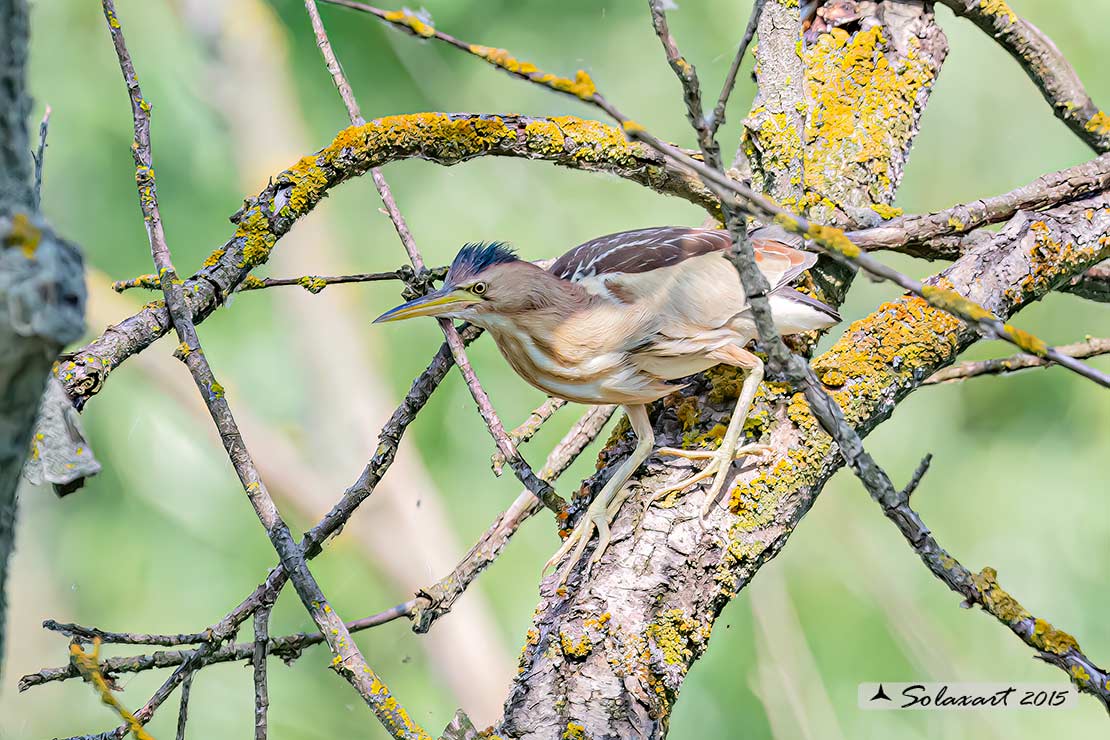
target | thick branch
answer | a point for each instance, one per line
(1046, 66)
(912, 234)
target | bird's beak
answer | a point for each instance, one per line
(436, 303)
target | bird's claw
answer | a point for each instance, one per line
(598, 517)
(720, 461)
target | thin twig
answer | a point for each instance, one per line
(691, 88)
(1003, 366)
(528, 429)
(1046, 66)
(183, 707)
(348, 661)
(1052, 645)
(718, 115)
(311, 283)
(505, 446)
(88, 634)
(40, 156)
(258, 661)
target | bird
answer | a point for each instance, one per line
(619, 319)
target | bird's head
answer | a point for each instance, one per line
(483, 279)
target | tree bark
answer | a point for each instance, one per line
(42, 292)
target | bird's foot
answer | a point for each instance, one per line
(600, 514)
(719, 463)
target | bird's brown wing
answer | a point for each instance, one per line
(777, 253)
(637, 251)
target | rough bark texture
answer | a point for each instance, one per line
(42, 293)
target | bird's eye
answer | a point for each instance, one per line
(478, 288)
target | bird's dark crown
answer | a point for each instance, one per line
(472, 259)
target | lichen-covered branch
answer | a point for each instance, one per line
(1046, 66)
(610, 652)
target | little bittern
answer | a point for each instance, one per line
(614, 319)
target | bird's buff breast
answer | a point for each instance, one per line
(605, 377)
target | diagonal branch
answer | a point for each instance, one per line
(1046, 66)
(1016, 363)
(348, 660)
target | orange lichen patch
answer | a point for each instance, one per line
(23, 234)
(998, 8)
(407, 19)
(581, 86)
(575, 647)
(1099, 124)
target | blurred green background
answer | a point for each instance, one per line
(164, 541)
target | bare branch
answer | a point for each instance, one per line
(528, 428)
(88, 634)
(1049, 69)
(183, 707)
(1094, 284)
(691, 88)
(258, 661)
(432, 603)
(40, 158)
(718, 115)
(911, 234)
(1004, 366)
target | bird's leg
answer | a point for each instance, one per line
(720, 461)
(605, 505)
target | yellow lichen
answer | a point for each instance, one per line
(886, 212)
(23, 234)
(1099, 124)
(996, 600)
(581, 86)
(576, 648)
(998, 8)
(312, 284)
(1052, 640)
(862, 118)
(408, 19)
(574, 731)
